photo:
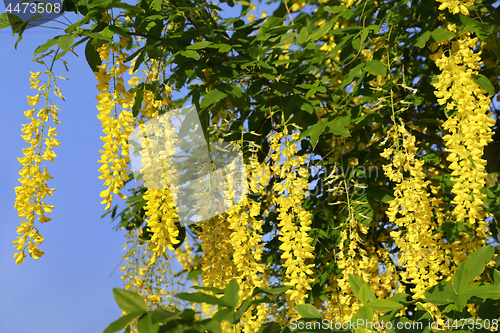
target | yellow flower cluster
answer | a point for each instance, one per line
(186, 258)
(297, 5)
(294, 220)
(247, 244)
(162, 218)
(160, 206)
(30, 196)
(217, 267)
(456, 6)
(152, 280)
(469, 128)
(348, 3)
(351, 259)
(117, 123)
(420, 252)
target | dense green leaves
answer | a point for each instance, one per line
(163, 320)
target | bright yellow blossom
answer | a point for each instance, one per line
(31, 195)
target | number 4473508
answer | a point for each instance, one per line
(33, 8)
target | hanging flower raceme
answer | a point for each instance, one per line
(151, 280)
(117, 123)
(353, 256)
(160, 200)
(411, 210)
(31, 195)
(294, 220)
(246, 239)
(470, 130)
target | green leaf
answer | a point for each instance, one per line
(364, 292)
(365, 313)
(303, 34)
(97, 35)
(139, 96)
(496, 277)
(272, 291)
(126, 6)
(335, 9)
(271, 22)
(358, 41)
(440, 33)
(190, 54)
(129, 301)
(188, 314)
(384, 305)
(212, 97)
(60, 55)
(308, 311)
(443, 293)
(376, 67)
(231, 296)
(119, 31)
(423, 38)
(216, 291)
(223, 48)
(107, 33)
(319, 33)
(140, 58)
(338, 129)
(162, 316)
(193, 275)
(46, 46)
(314, 132)
(431, 158)
(83, 21)
(356, 284)
(122, 322)
(223, 314)
(8, 19)
(157, 4)
(271, 327)
(92, 56)
(146, 325)
(355, 72)
(65, 42)
(199, 45)
(485, 291)
(200, 297)
(473, 266)
(481, 30)
(380, 194)
(485, 84)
